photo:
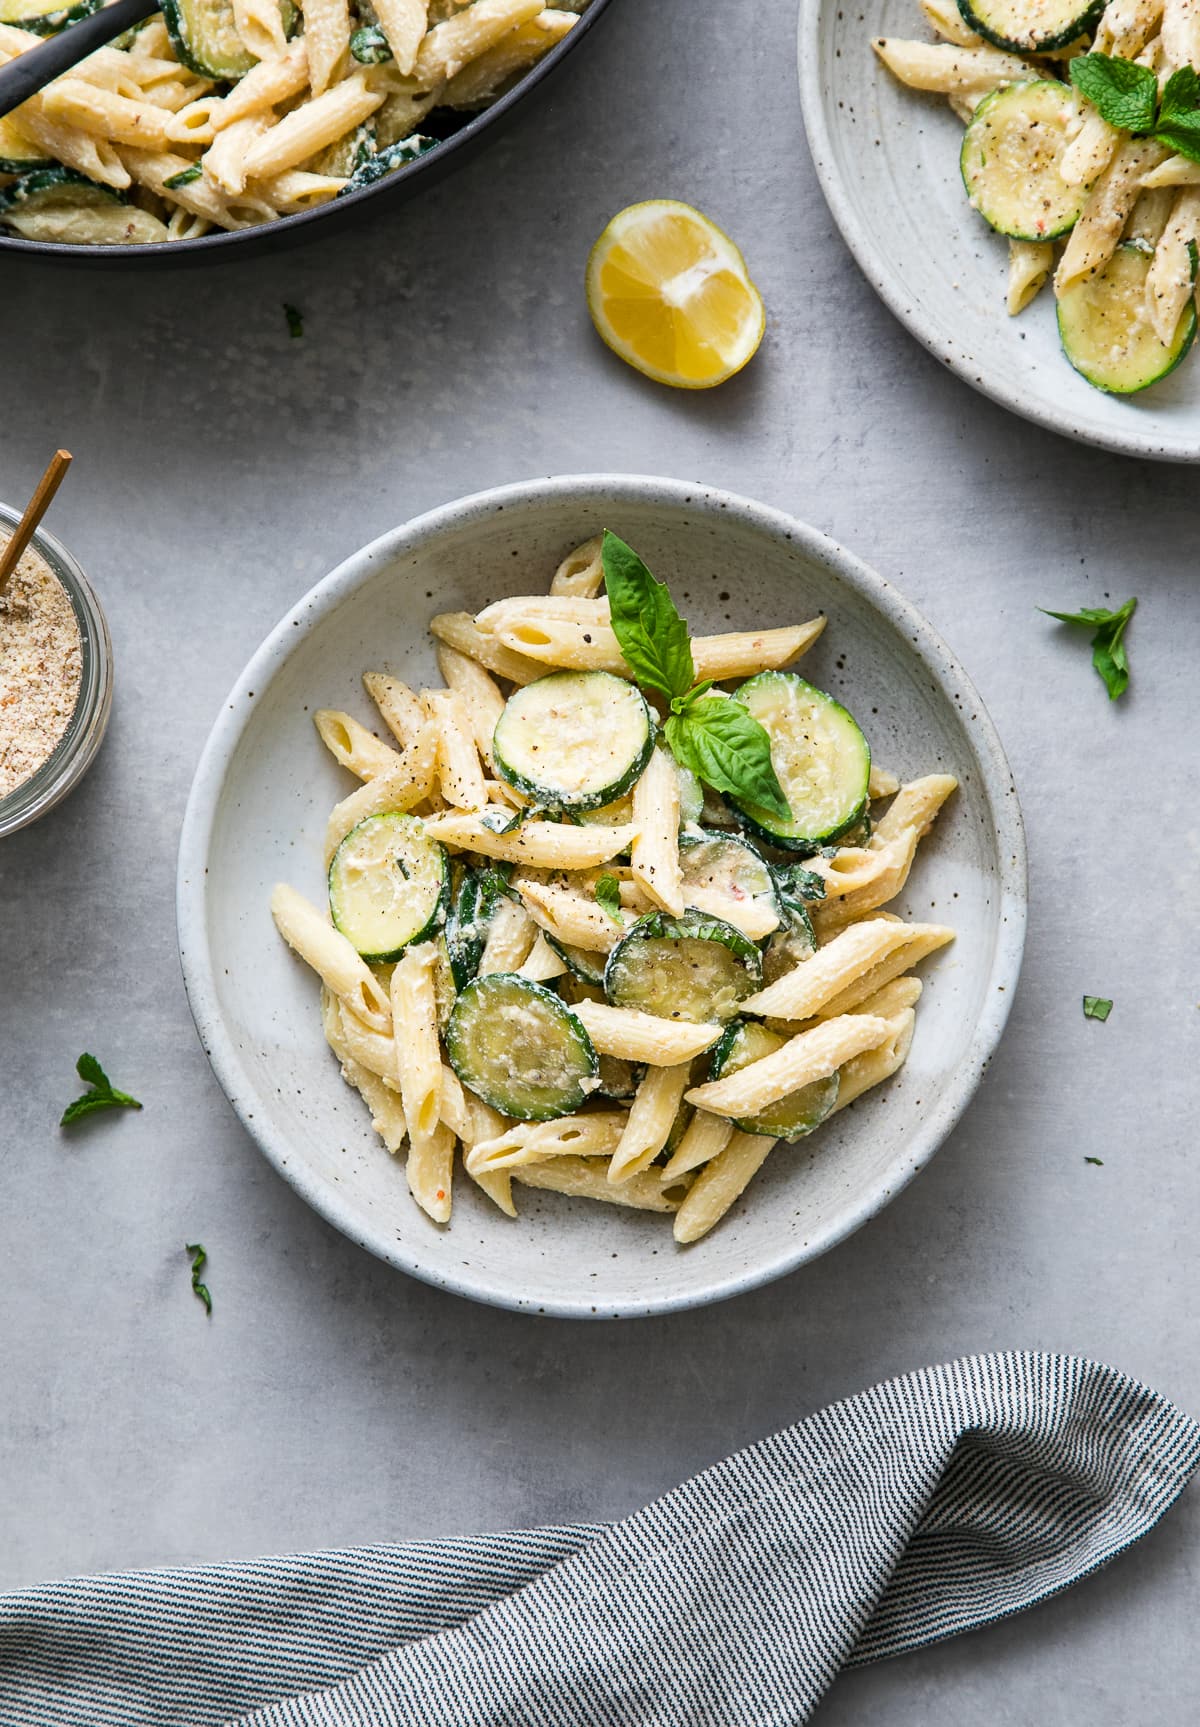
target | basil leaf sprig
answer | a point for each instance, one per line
(102, 1095)
(608, 896)
(1126, 95)
(199, 1257)
(1108, 645)
(716, 738)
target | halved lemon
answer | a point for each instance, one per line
(670, 293)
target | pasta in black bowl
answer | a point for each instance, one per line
(222, 123)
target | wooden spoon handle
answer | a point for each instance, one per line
(28, 73)
(36, 508)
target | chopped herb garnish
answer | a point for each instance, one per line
(1096, 1007)
(715, 737)
(295, 322)
(103, 1093)
(1098, 1161)
(1108, 647)
(185, 177)
(608, 895)
(200, 1290)
(369, 46)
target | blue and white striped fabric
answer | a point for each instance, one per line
(926, 1506)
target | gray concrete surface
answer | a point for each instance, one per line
(221, 469)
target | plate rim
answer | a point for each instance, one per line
(905, 308)
(345, 578)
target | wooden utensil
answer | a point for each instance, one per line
(27, 73)
(36, 508)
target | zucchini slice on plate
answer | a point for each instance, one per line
(574, 740)
(45, 17)
(1010, 159)
(1105, 326)
(387, 160)
(519, 1047)
(728, 872)
(693, 967)
(792, 1117)
(204, 35)
(587, 967)
(822, 760)
(1031, 26)
(58, 204)
(389, 885)
(473, 903)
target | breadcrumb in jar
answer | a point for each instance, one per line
(41, 668)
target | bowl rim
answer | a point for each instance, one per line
(433, 161)
(311, 610)
(907, 307)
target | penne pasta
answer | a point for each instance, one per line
(1029, 265)
(419, 1063)
(809, 1056)
(585, 1178)
(654, 855)
(581, 573)
(635, 1036)
(835, 972)
(479, 693)
(945, 67)
(872, 1066)
(354, 747)
(721, 1181)
(458, 766)
(651, 1118)
(542, 845)
(704, 1138)
(459, 630)
(596, 1135)
(331, 956)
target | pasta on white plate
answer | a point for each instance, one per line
(540, 949)
(1073, 114)
(222, 114)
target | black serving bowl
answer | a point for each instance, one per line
(457, 139)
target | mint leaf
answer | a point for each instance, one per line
(728, 749)
(1099, 1161)
(1180, 98)
(1108, 647)
(199, 1257)
(1124, 93)
(103, 1095)
(608, 895)
(1181, 135)
(652, 635)
(1096, 1007)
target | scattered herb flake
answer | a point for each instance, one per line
(103, 1094)
(295, 322)
(1098, 1161)
(1108, 647)
(198, 1258)
(185, 177)
(1096, 1007)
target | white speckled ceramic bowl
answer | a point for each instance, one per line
(265, 786)
(887, 159)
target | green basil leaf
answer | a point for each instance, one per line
(1099, 1161)
(653, 636)
(1108, 647)
(729, 750)
(1096, 1007)
(608, 895)
(1124, 93)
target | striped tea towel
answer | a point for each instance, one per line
(923, 1507)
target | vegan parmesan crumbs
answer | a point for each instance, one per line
(41, 666)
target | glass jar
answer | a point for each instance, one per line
(76, 749)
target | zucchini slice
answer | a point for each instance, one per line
(19, 154)
(619, 1079)
(822, 759)
(792, 1117)
(473, 903)
(205, 37)
(1031, 26)
(694, 967)
(389, 885)
(732, 880)
(1011, 154)
(519, 1047)
(55, 189)
(574, 740)
(588, 967)
(1104, 323)
(45, 17)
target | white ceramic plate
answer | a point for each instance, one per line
(265, 786)
(887, 160)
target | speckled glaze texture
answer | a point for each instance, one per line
(887, 161)
(264, 788)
